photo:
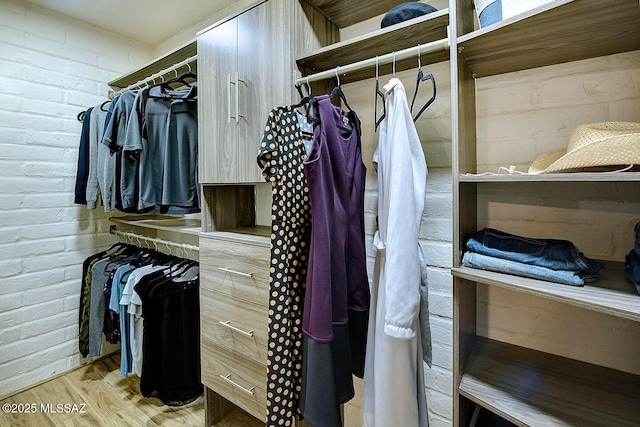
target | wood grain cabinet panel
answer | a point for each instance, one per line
(250, 60)
(237, 325)
(235, 269)
(235, 377)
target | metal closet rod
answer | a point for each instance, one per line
(155, 241)
(157, 75)
(410, 52)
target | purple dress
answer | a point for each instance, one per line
(336, 306)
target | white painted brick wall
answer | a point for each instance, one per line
(51, 68)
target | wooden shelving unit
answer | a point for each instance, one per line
(407, 34)
(554, 177)
(345, 13)
(174, 228)
(611, 294)
(173, 223)
(166, 61)
(531, 388)
(561, 31)
(523, 385)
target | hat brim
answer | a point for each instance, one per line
(613, 151)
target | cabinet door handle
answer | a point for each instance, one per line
(228, 324)
(246, 390)
(237, 98)
(239, 273)
(228, 98)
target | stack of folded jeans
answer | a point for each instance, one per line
(552, 260)
(632, 262)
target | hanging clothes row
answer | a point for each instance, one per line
(149, 303)
(141, 153)
(320, 293)
(321, 330)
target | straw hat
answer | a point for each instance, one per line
(595, 144)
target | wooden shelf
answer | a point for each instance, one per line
(558, 32)
(421, 30)
(166, 61)
(258, 234)
(531, 388)
(345, 13)
(171, 223)
(554, 177)
(612, 294)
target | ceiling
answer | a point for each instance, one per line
(148, 21)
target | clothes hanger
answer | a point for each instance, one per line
(189, 75)
(393, 66)
(384, 106)
(165, 87)
(182, 79)
(337, 91)
(308, 101)
(422, 78)
(104, 104)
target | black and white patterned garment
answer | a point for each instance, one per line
(280, 158)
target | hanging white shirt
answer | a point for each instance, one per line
(394, 392)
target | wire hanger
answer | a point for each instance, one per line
(337, 91)
(422, 78)
(381, 95)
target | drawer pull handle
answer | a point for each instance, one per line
(246, 390)
(230, 326)
(239, 273)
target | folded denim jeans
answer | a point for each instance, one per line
(501, 265)
(632, 269)
(548, 253)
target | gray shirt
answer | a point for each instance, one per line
(163, 135)
(114, 138)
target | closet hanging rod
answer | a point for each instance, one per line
(153, 240)
(434, 46)
(155, 76)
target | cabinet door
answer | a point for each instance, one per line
(265, 68)
(217, 60)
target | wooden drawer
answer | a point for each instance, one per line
(234, 377)
(237, 325)
(235, 267)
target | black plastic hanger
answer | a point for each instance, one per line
(308, 102)
(422, 78)
(182, 79)
(337, 91)
(384, 106)
(165, 86)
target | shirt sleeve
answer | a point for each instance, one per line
(96, 127)
(268, 153)
(405, 186)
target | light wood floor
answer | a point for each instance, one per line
(109, 401)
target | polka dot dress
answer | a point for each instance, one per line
(281, 154)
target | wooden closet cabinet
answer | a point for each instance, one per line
(249, 70)
(522, 384)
